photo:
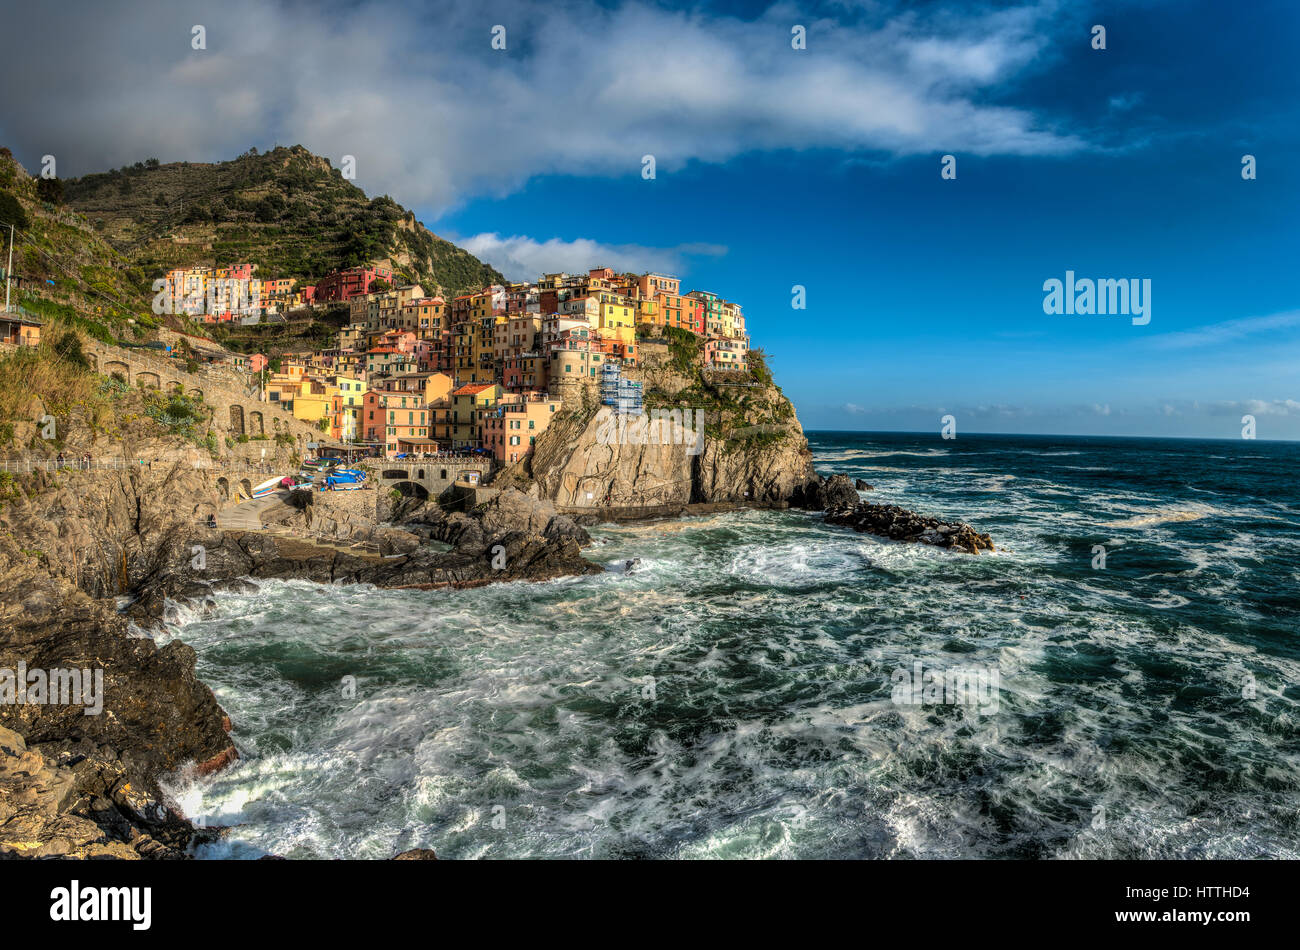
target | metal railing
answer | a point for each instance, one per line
(431, 457)
(118, 464)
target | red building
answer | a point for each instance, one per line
(349, 283)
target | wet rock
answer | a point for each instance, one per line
(860, 485)
(416, 854)
(42, 815)
(899, 524)
(821, 494)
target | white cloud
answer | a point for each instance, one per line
(434, 115)
(1216, 334)
(524, 258)
(1126, 101)
(1257, 407)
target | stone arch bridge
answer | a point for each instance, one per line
(430, 476)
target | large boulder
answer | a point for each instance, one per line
(822, 494)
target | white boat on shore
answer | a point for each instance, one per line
(269, 486)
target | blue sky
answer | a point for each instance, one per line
(818, 167)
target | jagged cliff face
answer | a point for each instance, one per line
(576, 465)
(84, 785)
(742, 443)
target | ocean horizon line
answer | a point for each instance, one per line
(1045, 435)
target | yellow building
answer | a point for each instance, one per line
(647, 311)
(352, 402)
(467, 405)
(617, 318)
(481, 363)
(437, 388)
(518, 335)
(316, 400)
(425, 317)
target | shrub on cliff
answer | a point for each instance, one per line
(180, 413)
(64, 389)
(758, 370)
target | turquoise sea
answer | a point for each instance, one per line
(731, 695)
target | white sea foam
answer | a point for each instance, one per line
(730, 696)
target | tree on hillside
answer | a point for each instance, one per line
(197, 213)
(270, 207)
(50, 189)
(69, 348)
(11, 212)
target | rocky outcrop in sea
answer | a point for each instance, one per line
(703, 440)
(899, 524)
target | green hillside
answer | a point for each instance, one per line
(287, 210)
(63, 269)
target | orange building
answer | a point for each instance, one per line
(511, 429)
(398, 419)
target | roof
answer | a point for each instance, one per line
(473, 389)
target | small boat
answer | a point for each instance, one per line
(271, 485)
(341, 481)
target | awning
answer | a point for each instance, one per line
(416, 441)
